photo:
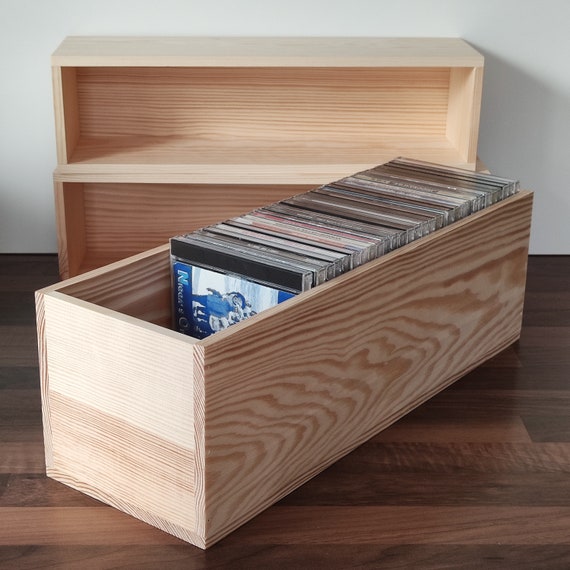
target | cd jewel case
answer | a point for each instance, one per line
(232, 270)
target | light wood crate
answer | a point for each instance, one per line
(196, 437)
(284, 114)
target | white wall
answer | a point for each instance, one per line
(525, 122)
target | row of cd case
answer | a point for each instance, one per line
(229, 271)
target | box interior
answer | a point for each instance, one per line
(260, 116)
(140, 288)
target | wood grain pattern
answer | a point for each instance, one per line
(119, 220)
(269, 420)
(494, 496)
(252, 104)
(424, 316)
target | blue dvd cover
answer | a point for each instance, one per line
(206, 301)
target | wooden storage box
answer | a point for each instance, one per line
(260, 118)
(196, 437)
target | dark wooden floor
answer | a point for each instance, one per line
(479, 477)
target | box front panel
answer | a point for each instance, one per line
(120, 401)
(296, 388)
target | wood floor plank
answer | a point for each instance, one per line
(408, 525)
(75, 526)
(37, 490)
(452, 458)
(288, 557)
(18, 345)
(495, 403)
(21, 407)
(435, 430)
(23, 377)
(549, 428)
(546, 376)
(548, 273)
(547, 308)
(22, 457)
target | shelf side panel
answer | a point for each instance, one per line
(464, 110)
(70, 223)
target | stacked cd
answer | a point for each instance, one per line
(229, 271)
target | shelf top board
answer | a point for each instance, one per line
(98, 51)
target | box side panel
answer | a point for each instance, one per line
(120, 403)
(138, 287)
(294, 390)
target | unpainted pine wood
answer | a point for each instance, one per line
(82, 51)
(70, 211)
(289, 105)
(66, 111)
(120, 368)
(124, 219)
(354, 355)
(118, 426)
(173, 102)
(477, 294)
(138, 286)
(300, 111)
(358, 114)
(149, 477)
(464, 110)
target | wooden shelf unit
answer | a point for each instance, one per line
(208, 113)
